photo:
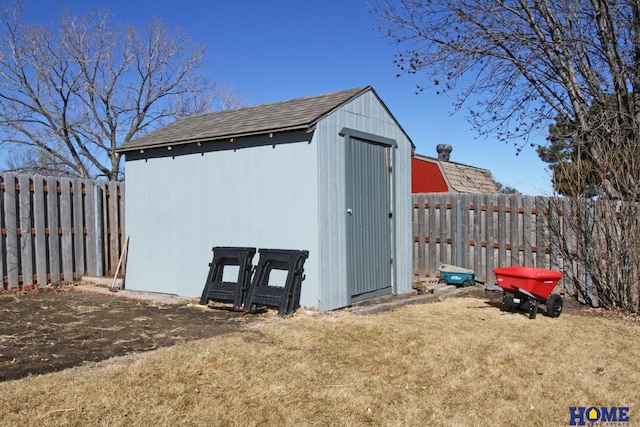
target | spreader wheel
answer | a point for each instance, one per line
(554, 305)
(467, 283)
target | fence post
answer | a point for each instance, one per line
(39, 225)
(53, 224)
(420, 231)
(11, 227)
(24, 236)
(99, 229)
(77, 227)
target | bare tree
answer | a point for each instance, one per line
(527, 63)
(71, 94)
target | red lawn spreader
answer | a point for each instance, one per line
(526, 288)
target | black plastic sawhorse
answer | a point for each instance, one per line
(218, 290)
(286, 298)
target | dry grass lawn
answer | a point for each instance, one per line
(460, 362)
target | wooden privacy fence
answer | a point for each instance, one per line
(481, 232)
(58, 229)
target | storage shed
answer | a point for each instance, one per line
(330, 174)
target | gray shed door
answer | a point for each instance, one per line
(369, 218)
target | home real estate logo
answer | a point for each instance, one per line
(598, 416)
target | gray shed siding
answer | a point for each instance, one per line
(365, 114)
(261, 193)
(180, 207)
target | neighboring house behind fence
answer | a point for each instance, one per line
(441, 175)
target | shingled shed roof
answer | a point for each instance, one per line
(295, 114)
(463, 178)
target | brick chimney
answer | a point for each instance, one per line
(444, 151)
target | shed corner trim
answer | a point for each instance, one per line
(368, 137)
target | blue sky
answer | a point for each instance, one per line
(281, 49)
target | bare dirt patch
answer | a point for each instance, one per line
(52, 329)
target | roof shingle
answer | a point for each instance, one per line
(468, 179)
(295, 114)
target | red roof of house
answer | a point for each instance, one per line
(431, 175)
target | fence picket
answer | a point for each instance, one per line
(11, 230)
(114, 226)
(542, 231)
(3, 235)
(421, 231)
(90, 229)
(463, 241)
(503, 235)
(66, 224)
(53, 225)
(512, 230)
(526, 236)
(445, 227)
(24, 235)
(40, 238)
(492, 205)
(478, 212)
(431, 218)
(78, 225)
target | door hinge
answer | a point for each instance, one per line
(391, 261)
